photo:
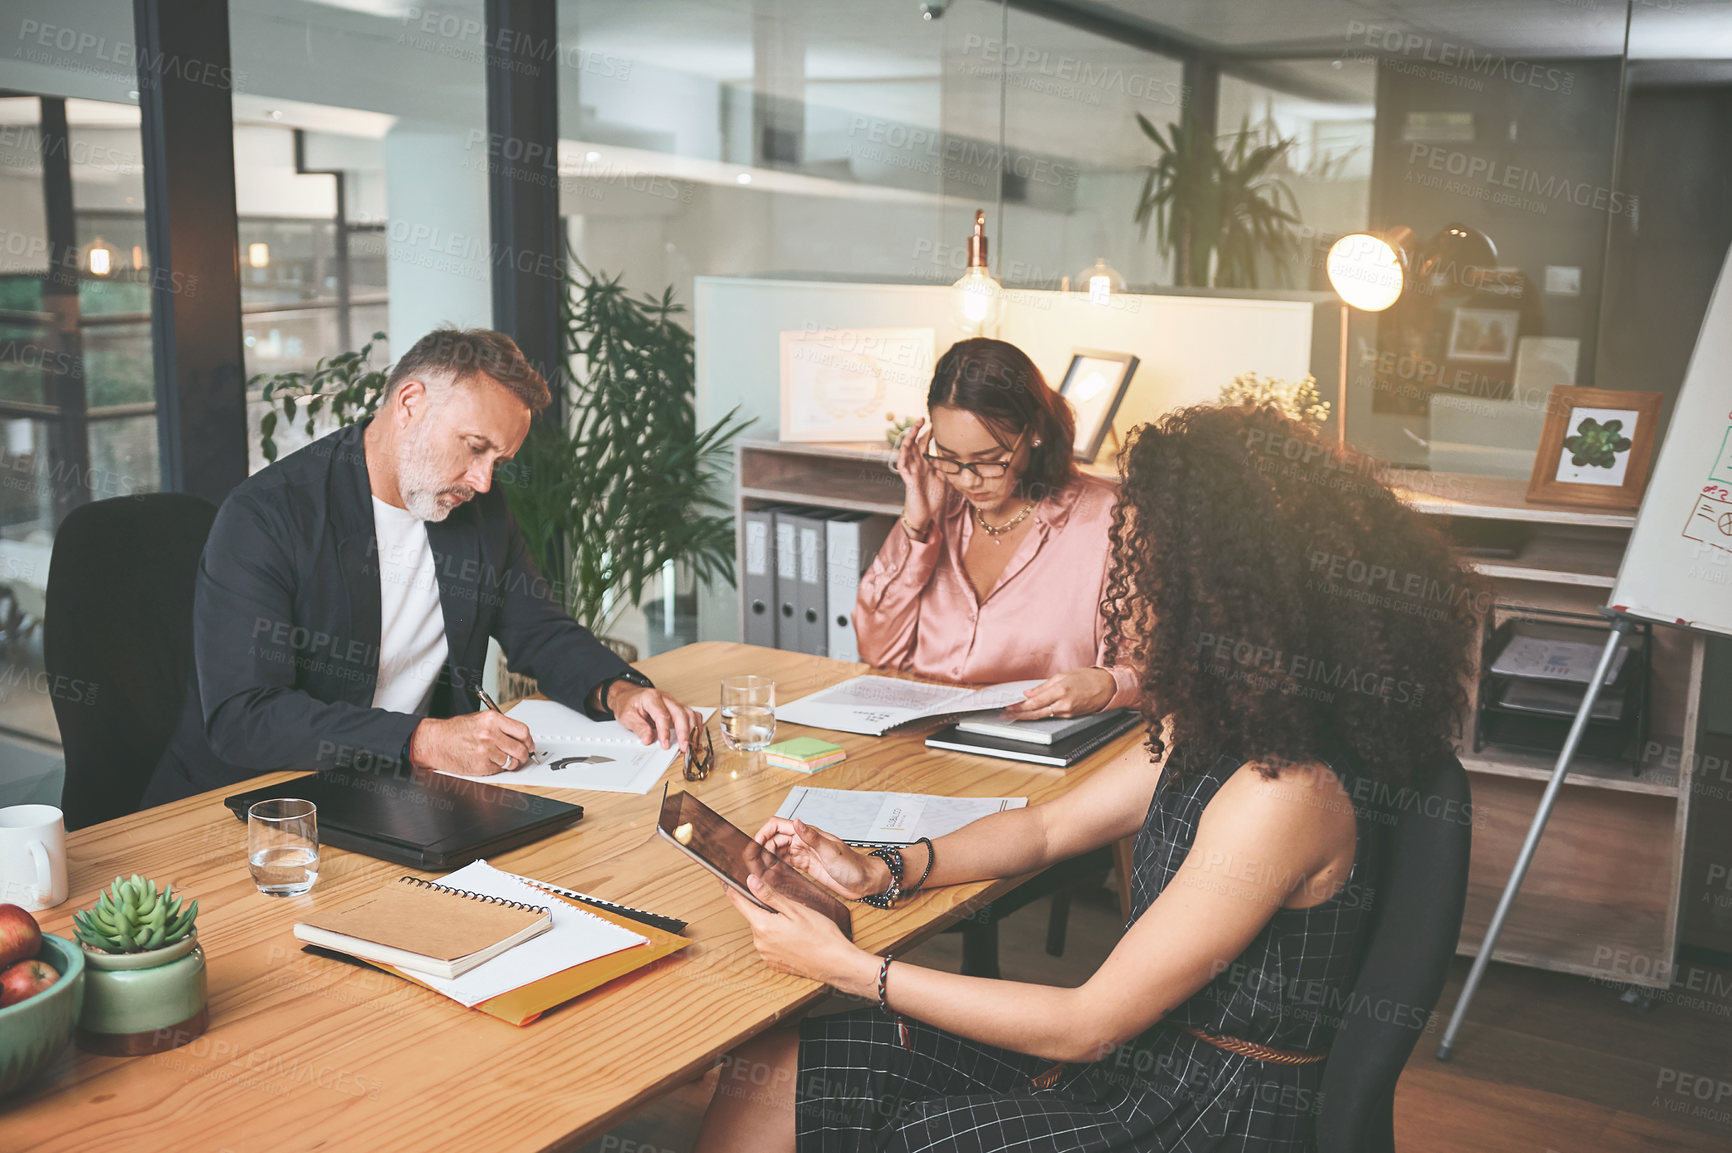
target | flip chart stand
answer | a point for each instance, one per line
(1621, 627)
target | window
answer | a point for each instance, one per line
(77, 392)
(360, 181)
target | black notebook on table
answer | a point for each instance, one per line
(430, 821)
(1060, 754)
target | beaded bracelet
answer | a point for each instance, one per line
(892, 859)
(884, 1002)
(931, 859)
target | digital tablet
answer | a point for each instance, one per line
(724, 849)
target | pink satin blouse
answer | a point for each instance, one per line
(918, 612)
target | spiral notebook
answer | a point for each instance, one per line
(426, 927)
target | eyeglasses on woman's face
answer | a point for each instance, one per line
(984, 469)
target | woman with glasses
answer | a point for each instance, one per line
(996, 570)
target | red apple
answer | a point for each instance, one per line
(24, 980)
(20, 937)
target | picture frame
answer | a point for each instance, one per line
(1483, 335)
(847, 384)
(1596, 448)
(1095, 384)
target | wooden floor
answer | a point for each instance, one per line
(1546, 1063)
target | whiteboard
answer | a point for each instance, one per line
(1678, 568)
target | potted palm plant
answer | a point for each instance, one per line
(619, 494)
(629, 489)
(1218, 211)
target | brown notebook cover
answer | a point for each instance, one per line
(425, 926)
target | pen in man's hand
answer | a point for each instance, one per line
(487, 703)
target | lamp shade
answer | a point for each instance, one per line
(1370, 270)
(1459, 254)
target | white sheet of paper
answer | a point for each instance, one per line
(576, 937)
(861, 816)
(633, 767)
(874, 705)
(552, 722)
(1542, 659)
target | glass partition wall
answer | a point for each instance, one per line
(77, 393)
(836, 140)
(360, 181)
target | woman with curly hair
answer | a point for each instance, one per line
(1301, 640)
(999, 534)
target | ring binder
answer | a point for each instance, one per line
(473, 896)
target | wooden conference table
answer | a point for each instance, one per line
(305, 1052)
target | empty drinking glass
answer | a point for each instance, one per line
(283, 846)
(748, 712)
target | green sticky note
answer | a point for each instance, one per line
(803, 748)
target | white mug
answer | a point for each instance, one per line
(32, 856)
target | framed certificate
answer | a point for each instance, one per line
(851, 383)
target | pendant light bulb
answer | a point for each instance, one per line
(979, 298)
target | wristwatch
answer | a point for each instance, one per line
(601, 712)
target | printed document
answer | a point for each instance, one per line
(868, 818)
(875, 705)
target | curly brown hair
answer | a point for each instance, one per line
(1282, 605)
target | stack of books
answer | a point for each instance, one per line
(1057, 742)
(804, 754)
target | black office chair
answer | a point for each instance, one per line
(980, 928)
(117, 642)
(1420, 897)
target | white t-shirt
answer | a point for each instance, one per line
(412, 646)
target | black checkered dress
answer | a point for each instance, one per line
(859, 1089)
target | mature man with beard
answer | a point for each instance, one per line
(347, 592)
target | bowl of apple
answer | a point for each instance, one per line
(41, 994)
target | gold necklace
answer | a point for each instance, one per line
(999, 531)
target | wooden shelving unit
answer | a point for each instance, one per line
(1601, 898)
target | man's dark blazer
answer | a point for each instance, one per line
(286, 625)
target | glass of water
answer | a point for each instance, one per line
(283, 846)
(748, 712)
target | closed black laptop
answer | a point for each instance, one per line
(430, 822)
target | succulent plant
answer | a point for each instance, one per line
(132, 916)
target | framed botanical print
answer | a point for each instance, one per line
(1596, 448)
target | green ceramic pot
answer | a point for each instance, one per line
(34, 1031)
(138, 1003)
